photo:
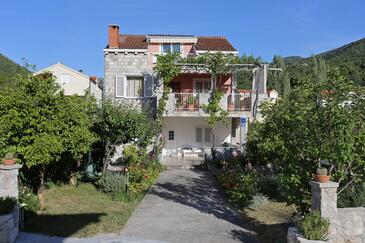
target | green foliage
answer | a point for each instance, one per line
(114, 183)
(9, 71)
(134, 155)
(349, 58)
(142, 176)
(313, 227)
(7, 205)
(120, 123)
(352, 196)
(29, 201)
(321, 119)
(258, 201)
(41, 124)
(239, 184)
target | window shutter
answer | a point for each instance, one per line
(199, 134)
(207, 135)
(120, 82)
(148, 86)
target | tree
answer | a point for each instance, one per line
(119, 123)
(40, 124)
(317, 120)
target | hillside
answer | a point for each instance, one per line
(349, 58)
(8, 69)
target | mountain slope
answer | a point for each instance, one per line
(349, 58)
(8, 69)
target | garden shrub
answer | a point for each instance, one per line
(7, 205)
(29, 201)
(113, 183)
(143, 175)
(132, 154)
(258, 201)
(240, 185)
(352, 196)
(313, 227)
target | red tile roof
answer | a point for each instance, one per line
(213, 43)
(132, 42)
(205, 43)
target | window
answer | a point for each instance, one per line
(203, 86)
(65, 79)
(170, 48)
(203, 133)
(134, 87)
(234, 127)
(171, 135)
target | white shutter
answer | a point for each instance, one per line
(148, 86)
(199, 134)
(120, 85)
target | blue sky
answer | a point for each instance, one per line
(75, 31)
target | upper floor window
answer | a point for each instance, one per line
(133, 86)
(171, 48)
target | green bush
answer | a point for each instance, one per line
(7, 205)
(313, 227)
(29, 201)
(240, 185)
(114, 183)
(258, 201)
(142, 176)
(269, 186)
(353, 196)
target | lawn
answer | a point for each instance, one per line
(270, 222)
(80, 212)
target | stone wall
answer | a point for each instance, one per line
(9, 223)
(347, 224)
(9, 180)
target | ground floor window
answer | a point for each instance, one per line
(234, 127)
(203, 134)
(171, 135)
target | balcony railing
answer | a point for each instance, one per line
(186, 101)
(239, 102)
(190, 103)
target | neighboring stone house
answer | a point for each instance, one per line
(129, 77)
(74, 82)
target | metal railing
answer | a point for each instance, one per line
(239, 102)
(186, 101)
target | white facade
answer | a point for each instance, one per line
(73, 82)
(182, 132)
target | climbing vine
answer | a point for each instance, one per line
(217, 64)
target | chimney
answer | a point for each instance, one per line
(113, 36)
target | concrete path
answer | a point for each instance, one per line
(186, 206)
(183, 206)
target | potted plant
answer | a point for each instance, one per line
(313, 227)
(321, 175)
(9, 159)
(191, 102)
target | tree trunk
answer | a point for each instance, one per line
(106, 157)
(40, 191)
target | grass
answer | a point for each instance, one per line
(80, 212)
(270, 222)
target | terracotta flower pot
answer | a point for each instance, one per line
(9, 161)
(321, 178)
(191, 107)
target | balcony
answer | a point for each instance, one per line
(189, 104)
